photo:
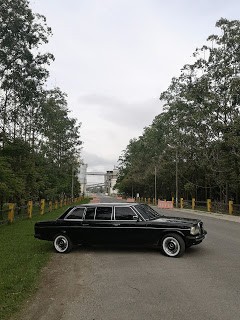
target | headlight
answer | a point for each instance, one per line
(195, 230)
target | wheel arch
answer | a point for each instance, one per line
(58, 233)
(174, 231)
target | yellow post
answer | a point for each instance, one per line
(209, 205)
(42, 206)
(29, 208)
(11, 212)
(56, 205)
(181, 203)
(61, 203)
(230, 207)
(149, 200)
(50, 206)
(193, 203)
(145, 200)
(65, 201)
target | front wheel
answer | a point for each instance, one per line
(173, 245)
(62, 244)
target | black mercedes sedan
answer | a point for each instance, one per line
(122, 224)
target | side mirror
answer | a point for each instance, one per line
(135, 218)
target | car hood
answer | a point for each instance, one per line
(176, 220)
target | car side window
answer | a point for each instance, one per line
(90, 213)
(103, 213)
(76, 214)
(124, 213)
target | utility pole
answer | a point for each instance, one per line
(72, 182)
(176, 178)
(155, 169)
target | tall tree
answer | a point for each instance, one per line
(199, 128)
(39, 142)
(22, 66)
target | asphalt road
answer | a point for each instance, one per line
(141, 284)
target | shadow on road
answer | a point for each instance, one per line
(194, 251)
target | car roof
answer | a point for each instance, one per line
(109, 204)
(99, 204)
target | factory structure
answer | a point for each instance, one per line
(110, 179)
(107, 186)
(82, 177)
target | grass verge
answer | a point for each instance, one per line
(21, 259)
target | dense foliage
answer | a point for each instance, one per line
(39, 142)
(198, 132)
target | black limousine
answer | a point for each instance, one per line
(122, 224)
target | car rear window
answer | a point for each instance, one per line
(76, 214)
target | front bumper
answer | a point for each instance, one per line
(191, 240)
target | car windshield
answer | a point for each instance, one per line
(147, 212)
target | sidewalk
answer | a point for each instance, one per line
(215, 215)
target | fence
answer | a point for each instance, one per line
(209, 205)
(12, 212)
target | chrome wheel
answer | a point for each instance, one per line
(173, 245)
(62, 244)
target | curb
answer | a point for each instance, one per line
(220, 216)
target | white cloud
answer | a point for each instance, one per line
(121, 113)
(109, 124)
(115, 57)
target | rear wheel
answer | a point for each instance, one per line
(173, 245)
(62, 243)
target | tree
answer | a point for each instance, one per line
(11, 186)
(199, 127)
(38, 140)
(22, 67)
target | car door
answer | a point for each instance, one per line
(97, 225)
(73, 224)
(129, 227)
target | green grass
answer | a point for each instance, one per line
(21, 259)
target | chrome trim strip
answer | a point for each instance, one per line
(127, 227)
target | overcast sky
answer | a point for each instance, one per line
(113, 58)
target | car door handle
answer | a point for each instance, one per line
(85, 224)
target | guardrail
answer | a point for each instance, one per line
(11, 212)
(209, 205)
